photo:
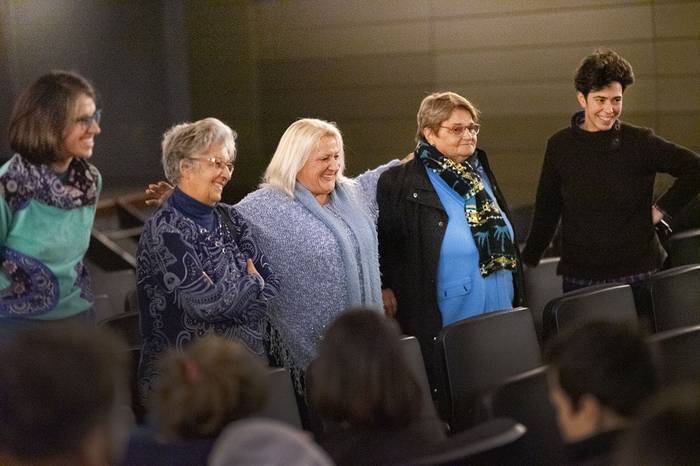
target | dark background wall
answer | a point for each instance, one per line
(365, 64)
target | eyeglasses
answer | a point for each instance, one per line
(460, 130)
(216, 162)
(87, 120)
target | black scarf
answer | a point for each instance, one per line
(488, 228)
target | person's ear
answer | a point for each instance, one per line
(581, 99)
(186, 166)
(429, 135)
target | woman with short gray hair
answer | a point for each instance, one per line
(199, 270)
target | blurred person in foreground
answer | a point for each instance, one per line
(48, 200)
(63, 397)
(364, 390)
(264, 442)
(211, 383)
(599, 376)
(666, 432)
(199, 269)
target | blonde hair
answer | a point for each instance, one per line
(189, 139)
(437, 107)
(296, 145)
(213, 382)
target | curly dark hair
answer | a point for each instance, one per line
(609, 360)
(601, 68)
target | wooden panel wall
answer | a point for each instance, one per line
(366, 64)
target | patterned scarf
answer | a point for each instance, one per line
(24, 180)
(488, 228)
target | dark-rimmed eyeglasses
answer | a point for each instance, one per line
(216, 163)
(459, 131)
(87, 120)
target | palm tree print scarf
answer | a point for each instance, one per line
(488, 228)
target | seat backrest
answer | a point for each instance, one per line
(542, 284)
(600, 302)
(525, 399)
(125, 325)
(675, 297)
(116, 285)
(131, 303)
(678, 351)
(684, 248)
(411, 350)
(480, 352)
(133, 355)
(281, 402)
(482, 444)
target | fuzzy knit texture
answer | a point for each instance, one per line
(308, 261)
(601, 185)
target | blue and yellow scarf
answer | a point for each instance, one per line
(488, 228)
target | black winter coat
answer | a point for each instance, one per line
(412, 224)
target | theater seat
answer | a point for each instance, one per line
(674, 297)
(542, 284)
(488, 443)
(684, 248)
(599, 302)
(480, 352)
(281, 402)
(678, 351)
(525, 399)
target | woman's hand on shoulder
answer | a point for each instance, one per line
(389, 300)
(158, 193)
(407, 159)
(251, 267)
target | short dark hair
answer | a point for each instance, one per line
(666, 433)
(56, 386)
(211, 383)
(609, 360)
(361, 375)
(601, 68)
(42, 114)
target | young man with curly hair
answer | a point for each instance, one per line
(598, 180)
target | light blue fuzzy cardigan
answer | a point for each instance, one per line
(307, 260)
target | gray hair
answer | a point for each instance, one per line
(295, 146)
(189, 139)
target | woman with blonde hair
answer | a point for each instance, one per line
(318, 228)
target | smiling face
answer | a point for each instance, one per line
(79, 136)
(204, 175)
(454, 147)
(320, 171)
(601, 108)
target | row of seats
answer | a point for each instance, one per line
(494, 370)
(669, 299)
